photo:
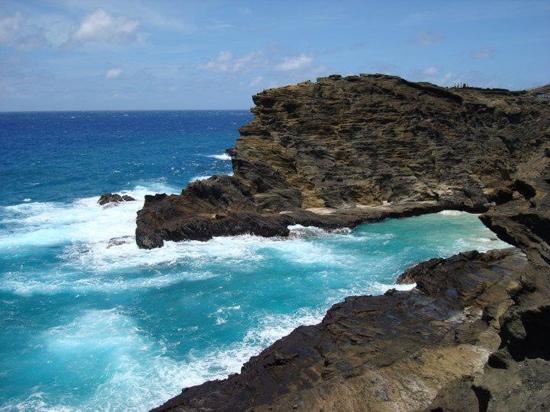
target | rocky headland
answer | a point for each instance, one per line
(474, 333)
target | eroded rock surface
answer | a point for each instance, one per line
(474, 333)
(346, 150)
(525, 219)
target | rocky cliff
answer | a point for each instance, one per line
(345, 150)
(473, 334)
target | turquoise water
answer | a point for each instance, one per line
(87, 325)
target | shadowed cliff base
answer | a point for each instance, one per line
(344, 150)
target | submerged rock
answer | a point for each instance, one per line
(113, 198)
(121, 240)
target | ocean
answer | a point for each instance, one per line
(90, 325)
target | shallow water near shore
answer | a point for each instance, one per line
(90, 324)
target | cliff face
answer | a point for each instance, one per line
(474, 333)
(345, 150)
(368, 139)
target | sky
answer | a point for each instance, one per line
(140, 55)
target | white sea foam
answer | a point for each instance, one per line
(453, 213)
(197, 178)
(136, 370)
(84, 229)
(299, 231)
(36, 401)
(92, 264)
(481, 244)
(49, 223)
(221, 314)
(31, 283)
(227, 250)
(381, 288)
(223, 156)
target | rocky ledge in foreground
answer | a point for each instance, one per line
(473, 334)
(446, 344)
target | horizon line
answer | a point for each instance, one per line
(123, 110)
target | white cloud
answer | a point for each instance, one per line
(429, 39)
(226, 62)
(113, 73)
(256, 81)
(219, 26)
(9, 26)
(430, 71)
(482, 54)
(21, 33)
(249, 61)
(220, 63)
(100, 26)
(294, 63)
(32, 31)
(264, 64)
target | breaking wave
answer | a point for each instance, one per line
(223, 156)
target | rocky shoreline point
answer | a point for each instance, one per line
(475, 332)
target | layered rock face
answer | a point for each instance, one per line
(368, 139)
(474, 333)
(346, 150)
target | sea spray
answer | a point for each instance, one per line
(223, 156)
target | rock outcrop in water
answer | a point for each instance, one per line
(474, 333)
(113, 198)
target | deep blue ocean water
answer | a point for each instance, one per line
(88, 326)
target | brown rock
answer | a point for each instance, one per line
(400, 351)
(350, 144)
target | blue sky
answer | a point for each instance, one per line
(137, 54)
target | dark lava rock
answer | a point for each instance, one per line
(525, 220)
(114, 198)
(121, 240)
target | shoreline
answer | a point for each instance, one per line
(388, 324)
